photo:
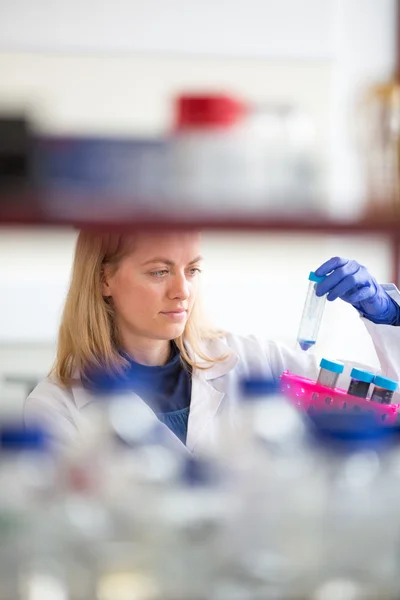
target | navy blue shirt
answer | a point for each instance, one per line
(166, 390)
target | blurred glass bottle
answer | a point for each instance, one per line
(117, 424)
(359, 531)
(207, 159)
(287, 160)
(272, 541)
(378, 133)
(123, 467)
(186, 531)
(29, 559)
(254, 159)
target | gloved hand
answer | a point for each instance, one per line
(350, 281)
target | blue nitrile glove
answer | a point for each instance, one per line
(350, 281)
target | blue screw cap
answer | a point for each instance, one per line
(361, 375)
(313, 277)
(332, 365)
(386, 383)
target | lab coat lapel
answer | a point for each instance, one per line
(85, 399)
(204, 403)
(206, 398)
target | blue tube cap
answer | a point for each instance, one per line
(361, 375)
(331, 365)
(257, 386)
(386, 383)
(17, 438)
(313, 277)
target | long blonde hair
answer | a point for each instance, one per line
(87, 337)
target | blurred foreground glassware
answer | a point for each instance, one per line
(378, 132)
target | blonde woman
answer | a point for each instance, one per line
(132, 312)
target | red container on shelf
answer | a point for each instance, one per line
(207, 111)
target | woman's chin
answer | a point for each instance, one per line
(167, 329)
(173, 331)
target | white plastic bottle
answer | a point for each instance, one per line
(32, 562)
(213, 156)
(360, 536)
(273, 480)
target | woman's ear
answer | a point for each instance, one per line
(105, 285)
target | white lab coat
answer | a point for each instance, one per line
(214, 398)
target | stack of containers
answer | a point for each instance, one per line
(230, 157)
(208, 160)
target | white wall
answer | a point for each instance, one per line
(133, 94)
(239, 28)
(34, 268)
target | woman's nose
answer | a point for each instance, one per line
(179, 287)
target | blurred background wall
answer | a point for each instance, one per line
(113, 67)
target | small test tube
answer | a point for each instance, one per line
(360, 382)
(329, 372)
(312, 314)
(383, 391)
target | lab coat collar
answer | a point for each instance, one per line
(214, 348)
(81, 395)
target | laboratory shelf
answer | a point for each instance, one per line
(28, 210)
(321, 227)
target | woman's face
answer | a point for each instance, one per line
(154, 287)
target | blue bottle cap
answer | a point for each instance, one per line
(331, 365)
(257, 386)
(16, 438)
(313, 277)
(386, 383)
(198, 472)
(361, 375)
(350, 432)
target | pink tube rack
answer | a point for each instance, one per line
(309, 396)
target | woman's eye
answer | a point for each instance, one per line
(160, 273)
